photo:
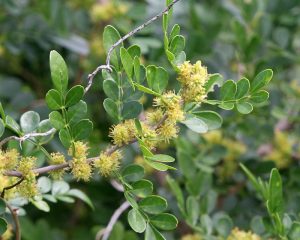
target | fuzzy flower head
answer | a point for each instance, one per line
(8, 159)
(168, 131)
(108, 164)
(123, 133)
(193, 78)
(28, 188)
(239, 234)
(153, 117)
(57, 158)
(79, 151)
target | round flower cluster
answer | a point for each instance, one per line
(108, 164)
(239, 234)
(8, 159)
(193, 78)
(56, 159)
(81, 169)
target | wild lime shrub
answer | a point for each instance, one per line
(126, 83)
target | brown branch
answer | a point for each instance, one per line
(16, 221)
(10, 187)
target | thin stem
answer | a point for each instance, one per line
(16, 221)
(10, 187)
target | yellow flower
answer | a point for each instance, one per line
(6, 181)
(123, 133)
(108, 164)
(237, 234)
(56, 159)
(168, 131)
(213, 137)
(193, 79)
(28, 188)
(81, 169)
(153, 117)
(8, 159)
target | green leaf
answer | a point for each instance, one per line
(131, 109)
(159, 166)
(261, 80)
(44, 126)
(259, 96)
(2, 113)
(192, 209)
(146, 90)
(138, 126)
(76, 112)
(212, 119)
(111, 108)
(56, 120)
(294, 233)
(157, 78)
(74, 95)
(44, 184)
(214, 79)
(82, 129)
(127, 63)
(2, 206)
(59, 71)
(82, 196)
(153, 204)
(175, 31)
(223, 225)
(244, 107)
(29, 121)
(60, 187)
(65, 138)
(53, 100)
(153, 234)
(134, 51)
(177, 45)
(130, 198)
(228, 90)
(226, 106)
(111, 36)
(142, 188)
(3, 226)
(243, 87)
(176, 190)
(12, 124)
(161, 158)
(2, 127)
(251, 177)
(41, 205)
(275, 202)
(111, 89)
(133, 173)
(164, 221)
(136, 221)
(196, 125)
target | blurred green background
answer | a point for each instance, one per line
(233, 37)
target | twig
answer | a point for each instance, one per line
(107, 66)
(16, 221)
(104, 234)
(27, 136)
(10, 187)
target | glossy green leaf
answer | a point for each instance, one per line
(53, 99)
(133, 173)
(164, 221)
(3, 226)
(158, 165)
(82, 196)
(56, 120)
(243, 87)
(44, 126)
(214, 79)
(111, 108)
(153, 234)
(111, 89)
(196, 125)
(161, 158)
(74, 95)
(29, 121)
(261, 80)
(212, 119)
(244, 107)
(131, 109)
(60, 187)
(59, 71)
(77, 112)
(2, 127)
(175, 31)
(226, 106)
(275, 202)
(134, 51)
(228, 90)
(153, 204)
(65, 138)
(82, 129)
(259, 96)
(157, 78)
(41, 205)
(136, 221)
(142, 188)
(177, 44)
(12, 124)
(127, 62)
(110, 37)
(146, 90)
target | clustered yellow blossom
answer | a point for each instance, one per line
(107, 11)
(237, 234)
(81, 169)
(234, 149)
(57, 158)
(192, 237)
(123, 133)
(108, 164)
(28, 188)
(193, 78)
(281, 153)
(8, 159)
(6, 181)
